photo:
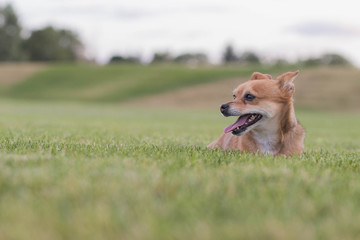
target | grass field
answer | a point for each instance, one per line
(79, 171)
(121, 154)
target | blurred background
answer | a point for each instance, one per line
(177, 53)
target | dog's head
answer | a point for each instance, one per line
(258, 100)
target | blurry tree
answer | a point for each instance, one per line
(310, 62)
(121, 59)
(50, 44)
(334, 59)
(326, 59)
(280, 62)
(191, 58)
(229, 55)
(249, 58)
(10, 39)
(161, 57)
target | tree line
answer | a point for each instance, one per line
(230, 56)
(46, 44)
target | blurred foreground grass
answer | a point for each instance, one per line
(77, 171)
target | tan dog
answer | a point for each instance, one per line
(267, 122)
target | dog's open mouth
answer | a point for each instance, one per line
(243, 122)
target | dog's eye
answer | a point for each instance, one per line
(234, 96)
(249, 97)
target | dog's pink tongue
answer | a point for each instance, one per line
(241, 120)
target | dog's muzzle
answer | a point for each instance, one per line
(224, 109)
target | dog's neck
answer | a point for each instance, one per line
(270, 138)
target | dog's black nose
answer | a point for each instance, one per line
(223, 107)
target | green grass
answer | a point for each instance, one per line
(115, 83)
(76, 171)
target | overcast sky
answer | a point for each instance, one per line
(275, 28)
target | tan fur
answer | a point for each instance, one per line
(278, 132)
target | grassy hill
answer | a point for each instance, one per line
(173, 85)
(114, 83)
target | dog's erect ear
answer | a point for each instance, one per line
(259, 76)
(285, 81)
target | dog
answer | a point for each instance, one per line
(266, 118)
